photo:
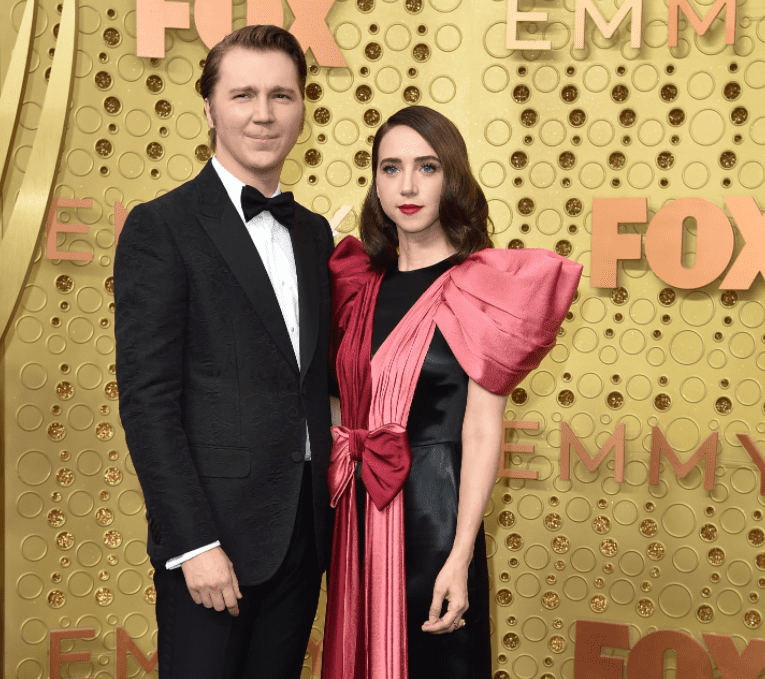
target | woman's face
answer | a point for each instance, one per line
(409, 180)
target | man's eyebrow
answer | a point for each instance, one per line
(248, 89)
(240, 90)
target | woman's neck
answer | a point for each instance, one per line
(418, 250)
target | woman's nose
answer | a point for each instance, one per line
(408, 183)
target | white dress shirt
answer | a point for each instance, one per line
(273, 243)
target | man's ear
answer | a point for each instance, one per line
(208, 114)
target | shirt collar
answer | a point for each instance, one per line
(234, 186)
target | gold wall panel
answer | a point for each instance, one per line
(548, 131)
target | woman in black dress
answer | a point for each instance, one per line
(424, 226)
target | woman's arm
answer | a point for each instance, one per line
(481, 441)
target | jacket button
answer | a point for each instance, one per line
(298, 456)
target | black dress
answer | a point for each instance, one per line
(431, 493)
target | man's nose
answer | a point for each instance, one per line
(261, 110)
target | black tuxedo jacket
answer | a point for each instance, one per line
(212, 401)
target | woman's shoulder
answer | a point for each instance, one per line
(501, 311)
(350, 271)
(349, 259)
(534, 265)
(531, 282)
(518, 260)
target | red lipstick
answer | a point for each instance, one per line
(410, 209)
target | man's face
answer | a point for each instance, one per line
(256, 111)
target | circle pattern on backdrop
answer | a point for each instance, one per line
(550, 130)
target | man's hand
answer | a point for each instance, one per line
(211, 580)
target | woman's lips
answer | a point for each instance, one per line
(410, 209)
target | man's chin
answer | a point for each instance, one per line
(262, 162)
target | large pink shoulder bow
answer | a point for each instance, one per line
(501, 310)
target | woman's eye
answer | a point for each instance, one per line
(428, 168)
(389, 169)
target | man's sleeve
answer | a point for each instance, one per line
(151, 298)
(177, 562)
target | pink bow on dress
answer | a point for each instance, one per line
(385, 461)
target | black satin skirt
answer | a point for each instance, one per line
(430, 519)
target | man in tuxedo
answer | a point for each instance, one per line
(222, 327)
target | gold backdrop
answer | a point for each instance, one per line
(548, 131)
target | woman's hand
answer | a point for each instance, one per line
(451, 584)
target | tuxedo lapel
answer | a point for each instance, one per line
(223, 224)
(304, 248)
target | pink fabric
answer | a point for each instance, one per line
(354, 291)
(499, 311)
(385, 459)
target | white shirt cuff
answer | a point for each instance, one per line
(178, 560)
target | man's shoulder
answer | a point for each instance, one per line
(161, 217)
(183, 197)
(318, 223)
(305, 213)
(313, 218)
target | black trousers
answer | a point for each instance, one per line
(269, 637)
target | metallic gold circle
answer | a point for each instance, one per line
(104, 517)
(104, 596)
(113, 476)
(56, 599)
(756, 537)
(504, 597)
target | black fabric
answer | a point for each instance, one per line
(281, 207)
(269, 636)
(432, 490)
(211, 399)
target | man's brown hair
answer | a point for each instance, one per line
(262, 38)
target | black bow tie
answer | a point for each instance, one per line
(281, 207)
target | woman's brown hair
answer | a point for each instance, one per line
(262, 38)
(463, 211)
